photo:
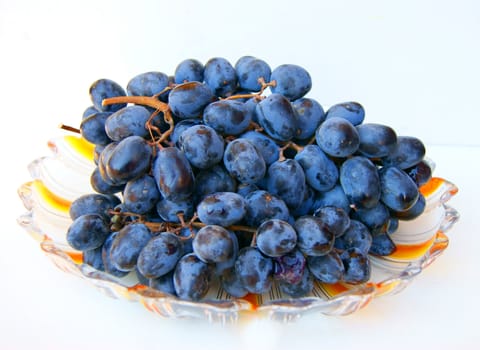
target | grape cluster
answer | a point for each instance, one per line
(230, 173)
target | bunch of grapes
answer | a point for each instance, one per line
(230, 173)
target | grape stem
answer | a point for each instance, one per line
(69, 128)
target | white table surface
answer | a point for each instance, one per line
(414, 66)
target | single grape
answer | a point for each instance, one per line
(147, 84)
(180, 127)
(243, 161)
(300, 289)
(376, 140)
(408, 152)
(227, 117)
(376, 218)
(188, 100)
(222, 266)
(420, 173)
(220, 76)
(169, 210)
(89, 111)
(399, 192)
(357, 266)
(99, 184)
(321, 173)
(335, 219)
(163, 283)
(310, 115)
(93, 203)
(291, 81)
(160, 255)
(213, 244)
(314, 238)
(360, 182)
(128, 244)
(191, 278)
(326, 268)
(189, 70)
(264, 144)
(289, 268)
(382, 245)
(261, 206)
(351, 111)
(141, 194)
(202, 146)
(276, 237)
(306, 207)
(93, 258)
(335, 197)
(337, 137)
(286, 179)
(87, 232)
(211, 180)
(244, 189)
(127, 121)
(106, 88)
(232, 284)
(92, 128)
(276, 115)
(106, 259)
(249, 70)
(254, 270)
(357, 236)
(414, 211)
(221, 208)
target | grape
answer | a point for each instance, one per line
(249, 70)
(291, 81)
(141, 194)
(286, 179)
(213, 244)
(213, 179)
(307, 204)
(192, 278)
(321, 173)
(128, 244)
(399, 192)
(310, 115)
(243, 161)
(221, 208)
(414, 211)
(376, 218)
(360, 181)
(100, 185)
(89, 111)
(326, 268)
(87, 232)
(408, 152)
(382, 245)
(245, 189)
(160, 255)
(106, 88)
(290, 267)
(169, 210)
(189, 70)
(254, 270)
(93, 258)
(163, 283)
(392, 225)
(103, 158)
(126, 122)
(227, 117)
(420, 173)
(357, 266)
(173, 174)
(188, 100)
(180, 127)
(129, 159)
(222, 266)
(335, 219)
(276, 115)
(264, 144)
(106, 259)
(202, 146)
(314, 238)
(356, 236)
(186, 234)
(335, 197)
(261, 205)
(276, 237)
(147, 84)
(337, 137)
(220, 77)
(351, 111)
(93, 203)
(376, 140)
(232, 283)
(92, 128)
(300, 289)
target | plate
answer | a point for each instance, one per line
(64, 174)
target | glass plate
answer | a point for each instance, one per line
(63, 175)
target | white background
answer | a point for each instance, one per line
(414, 65)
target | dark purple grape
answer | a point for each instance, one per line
(249, 70)
(191, 278)
(286, 179)
(321, 173)
(310, 115)
(326, 268)
(93, 258)
(399, 192)
(376, 140)
(227, 117)
(335, 219)
(220, 76)
(382, 245)
(407, 152)
(169, 211)
(106, 259)
(93, 203)
(314, 238)
(277, 116)
(106, 88)
(276, 238)
(376, 219)
(232, 283)
(254, 270)
(337, 137)
(264, 144)
(141, 194)
(420, 173)
(128, 244)
(300, 289)
(87, 232)
(202, 146)
(99, 184)
(357, 266)
(163, 283)
(147, 84)
(351, 111)
(213, 244)
(261, 206)
(221, 208)
(335, 197)
(188, 100)
(291, 81)
(211, 180)
(414, 211)
(189, 70)
(128, 121)
(289, 268)
(92, 128)
(243, 161)
(356, 236)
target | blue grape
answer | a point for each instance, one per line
(128, 244)
(147, 84)
(414, 211)
(106, 88)
(376, 218)
(87, 232)
(100, 185)
(261, 206)
(335, 197)
(93, 203)
(408, 152)
(160, 255)
(300, 289)
(141, 194)
(249, 70)
(244, 189)
(191, 278)
(310, 115)
(106, 259)
(186, 234)
(399, 192)
(93, 258)
(129, 159)
(232, 284)
(351, 111)
(276, 115)
(357, 266)
(213, 244)
(243, 161)
(180, 127)
(188, 100)
(202, 146)
(163, 283)
(382, 245)
(321, 173)
(314, 238)
(223, 266)
(264, 144)
(392, 225)
(286, 179)
(251, 106)
(326, 268)
(335, 219)
(307, 205)
(276, 237)
(420, 173)
(290, 267)
(356, 236)
(189, 70)
(227, 117)
(254, 270)
(337, 137)
(173, 174)
(211, 180)
(127, 121)
(92, 128)
(169, 210)
(376, 140)
(291, 81)
(89, 111)
(360, 181)
(103, 158)
(221, 208)
(220, 76)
